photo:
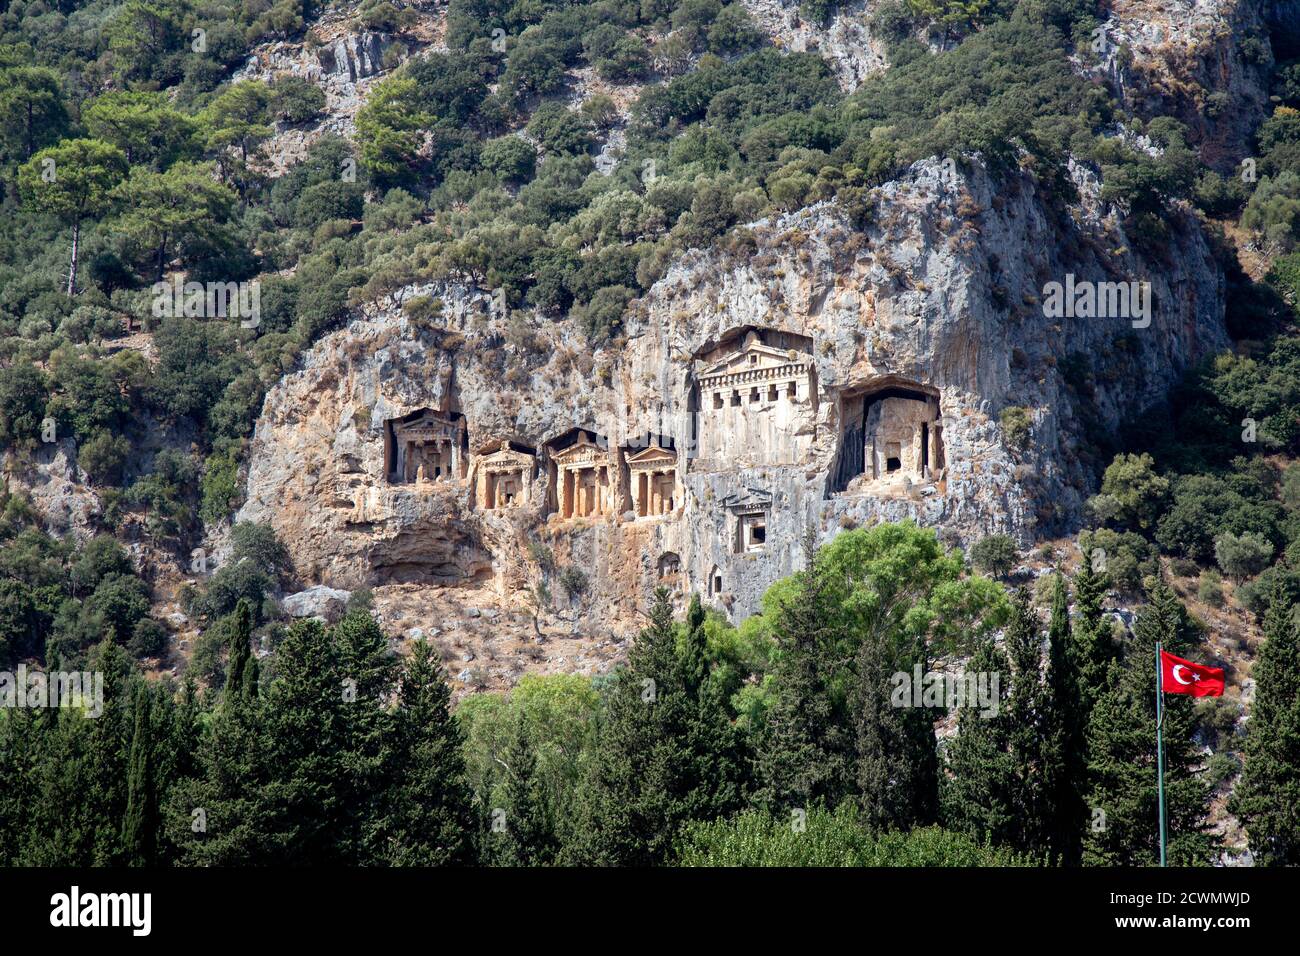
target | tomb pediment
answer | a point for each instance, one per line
(580, 452)
(427, 427)
(753, 356)
(750, 499)
(652, 457)
(506, 459)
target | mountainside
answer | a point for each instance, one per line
(519, 362)
(929, 295)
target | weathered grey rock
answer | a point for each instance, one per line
(320, 601)
(846, 41)
(1185, 58)
(941, 289)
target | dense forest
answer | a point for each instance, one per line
(778, 743)
(129, 152)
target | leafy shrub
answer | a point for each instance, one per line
(1132, 494)
(509, 158)
(994, 555)
(573, 580)
(1125, 557)
(148, 639)
(1015, 422)
(1210, 589)
(603, 315)
(296, 101)
(1242, 556)
(559, 129)
(1274, 210)
(102, 457)
(755, 838)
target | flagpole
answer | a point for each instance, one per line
(1160, 748)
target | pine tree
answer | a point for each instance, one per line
(667, 752)
(1122, 797)
(1066, 765)
(429, 818)
(140, 825)
(806, 750)
(1267, 800)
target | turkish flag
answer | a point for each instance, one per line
(1178, 676)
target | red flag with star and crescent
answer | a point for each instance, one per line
(1183, 677)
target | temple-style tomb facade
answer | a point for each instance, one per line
(505, 477)
(426, 446)
(584, 479)
(750, 403)
(653, 473)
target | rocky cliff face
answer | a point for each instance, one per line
(1204, 63)
(937, 298)
(845, 41)
(343, 59)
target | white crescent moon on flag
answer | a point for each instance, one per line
(1177, 668)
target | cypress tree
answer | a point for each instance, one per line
(221, 815)
(1124, 830)
(429, 819)
(368, 670)
(140, 825)
(529, 838)
(1029, 718)
(980, 789)
(806, 750)
(1267, 800)
(897, 756)
(1093, 647)
(1066, 764)
(241, 651)
(666, 754)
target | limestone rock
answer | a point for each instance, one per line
(938, 297)
(320, 601)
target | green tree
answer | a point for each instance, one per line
(242, 669)
(368, 669)
(141, 824)
(979, 793)
(142, 33)
(1267, 800)
(238, 117)
(1066, 766)
(529, 837)
(1122, 753)
(806, 753)
(1094, 648)
(182, 203)
(32, 113)
(1032, 722)
(994, 554)
(143, 125)
(429, 820)
(23, 394)
(1132, 494)
(73, 181)
(667, 752)
(1241, 556)
(390, 129)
